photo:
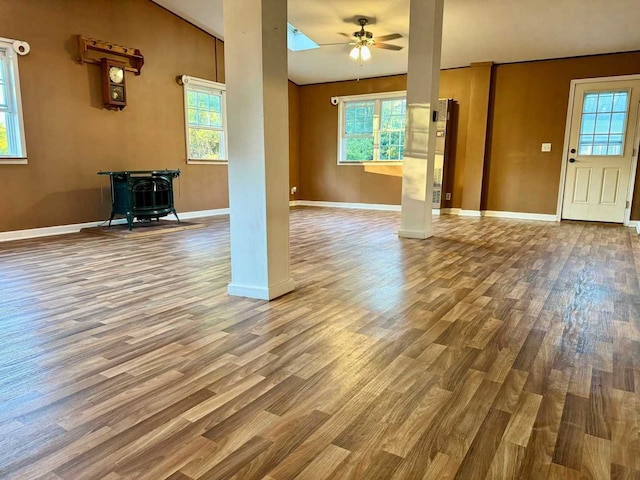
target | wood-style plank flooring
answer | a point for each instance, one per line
(499, 349)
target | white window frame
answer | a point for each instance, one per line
(377, 98)
(193, 83)
(15, 126)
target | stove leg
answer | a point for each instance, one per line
(130, 220)
(176, 214)
(113, 214)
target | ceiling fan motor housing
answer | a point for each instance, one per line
(362, 34)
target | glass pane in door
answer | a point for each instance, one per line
(604, 121)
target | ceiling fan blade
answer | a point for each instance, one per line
(329, 44)
(386, 46)
(348, 35)
(386, 38)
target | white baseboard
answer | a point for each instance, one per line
(497, 214)
(450, 211)
(76, 227)
(545, 217)
(634, 224)
(470, 213)
(442, 211)
(419, 234)
(261, 293)
(356, 206)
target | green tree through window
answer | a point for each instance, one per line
(4, 143)
(373, 130)
(205, 120)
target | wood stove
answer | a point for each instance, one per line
(142, 194)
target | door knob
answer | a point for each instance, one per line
(572, 160)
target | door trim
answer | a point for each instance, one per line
(567, 133)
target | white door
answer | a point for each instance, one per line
(601, 142)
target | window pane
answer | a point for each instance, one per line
(608, 125)
(216, 119)
(605, 102)
(193, 116)
(585, 150)
(4, 143)
(359, 149)
(392, 145)
(191, 99)
(359, 117)
(393, 114)
(614, 149)
(588, 123)
(3, 66)
(616, 139)
(620, 101)
(215, 103)
(203, 100)
(3, 96)
(618, 123)
(204, 144)
(203, 118)
(601, 139)
(590, 103)
(603, 122)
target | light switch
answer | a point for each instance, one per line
(546, 147)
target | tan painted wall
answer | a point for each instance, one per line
(529, 107)
(70, 136)
(321, 178)
(294, 139)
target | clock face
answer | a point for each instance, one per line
(117, 94)
(116, 74)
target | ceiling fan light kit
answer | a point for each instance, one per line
(363, 40)
(360, 52)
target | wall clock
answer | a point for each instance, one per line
(114, 85)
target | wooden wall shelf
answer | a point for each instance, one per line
(133, 55)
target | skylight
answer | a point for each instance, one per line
(296, 40)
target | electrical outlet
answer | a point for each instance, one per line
(293, 190)
(447, 196)
(546, 147)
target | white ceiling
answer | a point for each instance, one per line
(501, 31)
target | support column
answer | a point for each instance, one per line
(423, 82)
(258, 130)
(476, 137)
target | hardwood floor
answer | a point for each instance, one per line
(498, 349)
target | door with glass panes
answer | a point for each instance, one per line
(601, 148)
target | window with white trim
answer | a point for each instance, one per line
(12, 142)
(372, 128)
(205, 121)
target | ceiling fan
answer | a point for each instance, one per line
(362, 40)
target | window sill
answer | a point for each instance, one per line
(13, 161)
(207, 162)
(360, 164)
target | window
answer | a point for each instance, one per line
(372, 128)
(604, 121)
(12, 144)
(205, 120)
(298, 41)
